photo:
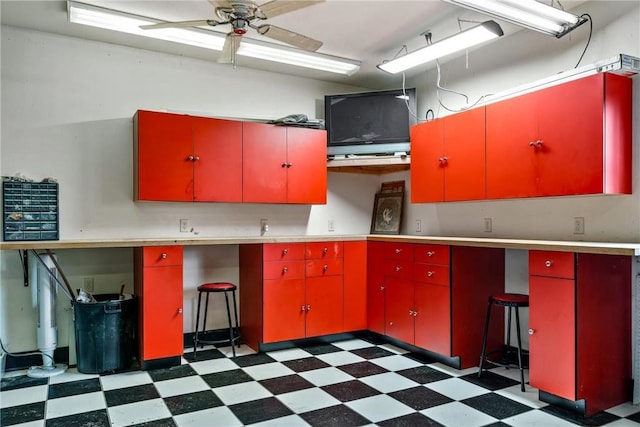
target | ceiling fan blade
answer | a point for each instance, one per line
(220, 3)
(279, 7)
(289, 37)
(180, 24)
(231, 45)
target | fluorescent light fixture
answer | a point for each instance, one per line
(528, 13)
(463, 40)
(81, 13)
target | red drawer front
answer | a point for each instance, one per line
(431, 273)
(159, 256)
(326, 267)
(432, 254)
(283, 270)
(283, 251)
(323, 250)
(398, 268)
(401, 251)
(552, 264)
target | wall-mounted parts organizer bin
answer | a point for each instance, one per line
(30, 211)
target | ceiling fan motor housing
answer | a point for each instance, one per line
(239, 26)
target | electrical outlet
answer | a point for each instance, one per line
(87, 284)
(264, 227)
(418, 225)
(331, 225)
(184, 225)
(578, 225)
(488, 226)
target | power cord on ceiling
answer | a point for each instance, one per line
(586, 15)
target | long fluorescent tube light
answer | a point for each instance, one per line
(81, 13)
(463, 40)
(527, 13)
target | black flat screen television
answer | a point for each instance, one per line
(369, 123)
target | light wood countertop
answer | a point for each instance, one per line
(612, 248)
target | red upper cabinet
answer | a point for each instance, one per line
(284, 165)
(217, 172)
(183, 158)
(569, 139)
(448, 158)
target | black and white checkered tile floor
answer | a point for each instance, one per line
(348, 383)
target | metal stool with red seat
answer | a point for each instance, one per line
(234, 335)
(510, 301)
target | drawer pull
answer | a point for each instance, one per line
(163, 256)
(285, 251)
(325, 268)
(285, 269)
(431, 273)
(398, 268)
(548, 263)
(531, 331)
(180, 311)
(325, 250)
(382, 288)
(430, 253)
(398, 250)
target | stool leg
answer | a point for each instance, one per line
(519, 351)
(484, 337)
(233, 347)
(506, 353)
(195, 336)
(206, 310)
(235, 313)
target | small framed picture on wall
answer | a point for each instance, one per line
(387, 213)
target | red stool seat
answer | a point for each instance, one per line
(217, 287)
(515, 300)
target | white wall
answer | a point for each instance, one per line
(66, 113)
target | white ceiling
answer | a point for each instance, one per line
(369, 31)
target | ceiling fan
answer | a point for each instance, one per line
(240, 14)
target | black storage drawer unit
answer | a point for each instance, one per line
(30, 210)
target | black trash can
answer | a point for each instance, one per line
(105, 333)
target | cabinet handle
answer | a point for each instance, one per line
(539, 143)
(303, 308)
(163, 256)
(430, 253)
(289, 165)
(382, 288)
(398, 250)
(415, 314)
(285, 251)
(410, 313)
(325, 268)
(180, 311)
(285, 269)
(548, 263)
(196, 158)
(531, 331)
(325, 250)
(308, 307)
(284, 165)
(398, 268)
(190, 158)
(430, 273)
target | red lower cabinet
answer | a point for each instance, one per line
(158, 285)
(579, 321)
(296, 290)
(375, 287)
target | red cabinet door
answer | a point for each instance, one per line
(306, 166)
(433, 318)
(264, 160)
(324, 305)
(552, 344)
(283, 310)
(163, 146)
(511, 128)
(464, 150)
(427, 163)
(375, 287)
(162, 312)
(399, 308)
(355, 286)
(217, 150)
